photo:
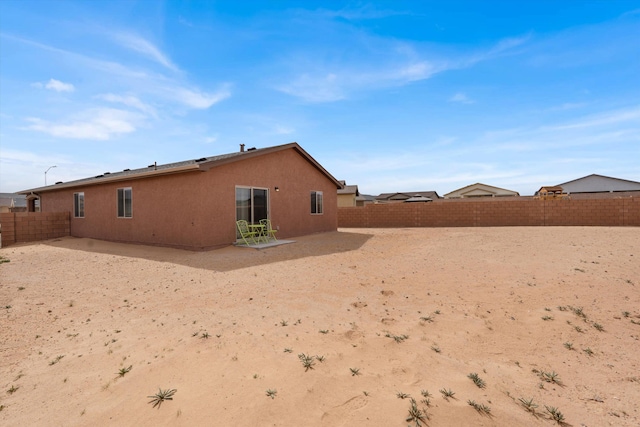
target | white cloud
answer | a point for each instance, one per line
(198, 99)
(284, 130)
(95, 124)
(401, 64)
(461, 98)
(315, 89)
(138, 44)
(130, 101)
(59, 86)
(56, 85)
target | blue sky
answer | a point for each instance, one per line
(391, 96)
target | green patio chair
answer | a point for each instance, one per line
(268, 230)
(245, 232)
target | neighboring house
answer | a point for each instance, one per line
(418, 199)
(365, 199)
(599, 184)
(551, 192)
(401, 197)
(194, 204)
(11, 202)
(480, 190)
(347, 195)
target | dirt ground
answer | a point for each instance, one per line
(92, 330)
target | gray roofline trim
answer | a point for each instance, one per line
(194, 166)
(601, 176)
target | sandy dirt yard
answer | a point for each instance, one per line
(336, 329)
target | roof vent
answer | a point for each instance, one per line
(201, 160)
(99, 176)
(251, 149)
(126, 170)
(107, 173)
(242, 148)
(59, 182)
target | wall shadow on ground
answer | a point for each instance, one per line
(225, 259)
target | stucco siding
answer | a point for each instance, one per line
(197, 209)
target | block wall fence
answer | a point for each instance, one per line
(494, 213)
(33, 226)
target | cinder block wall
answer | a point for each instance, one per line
(33, 226)
(494, 213)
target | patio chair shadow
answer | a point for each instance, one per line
(225, 259)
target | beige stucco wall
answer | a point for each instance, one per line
(345, 200)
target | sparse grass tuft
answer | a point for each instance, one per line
(568, 345)
(307, 361)
(288, 350)
(205, 335)
(626, 314)
(555, 414)
(320, 358)
(447, 393)
(598, 327)
(481, 408)
(416, 414)
(529, 405)
(427, 319)
(13, 389)
(354, 371)
(550, 377)
(397, 338)
(56, 360)
(161, 396)
(401, 395)
(588, 351)
(123, 371)
(545, 318)
(324, 331)
(283, 323)
(436, 348)
(272, 393)
(477, 380)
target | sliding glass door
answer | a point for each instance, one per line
(252, 204)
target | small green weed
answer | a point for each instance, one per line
(161, 396)
(272, 393)
(529, 405)
(447, 393)
(124, 371)
(476, 380)
(555, 414)
(307, 361)
(416, 415)
(480, 407)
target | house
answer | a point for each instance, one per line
(551, 192)
(599, 184)
(347, 195)
(365, 199)
(480, 190)
(195, 204)
(401, 197)
(11, 202)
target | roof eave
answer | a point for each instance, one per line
(110, 179)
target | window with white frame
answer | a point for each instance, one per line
(78, 205)
(125, 203)
(316, 202)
